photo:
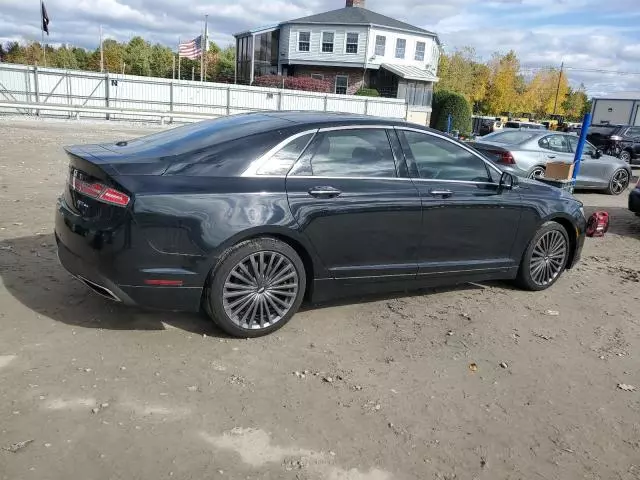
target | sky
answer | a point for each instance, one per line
(598, 40)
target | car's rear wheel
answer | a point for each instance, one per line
(545, 258)
(626, 156)
(536, 172)
(619, 182)
(256, 288)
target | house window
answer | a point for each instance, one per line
(381, 42)
(420, 46)
(401, 46)
(342, 82)
(304, 41)
(317, 76)
(352, 43)
(327, 42)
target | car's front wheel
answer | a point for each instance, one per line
(626, 156)
(256, 288)
(618, 182)
(545, 258)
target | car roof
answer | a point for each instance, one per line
(330, 118)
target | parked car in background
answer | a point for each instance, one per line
(618, 140)
(526, 153)
(246, 215)
(634, 199)
(524, 125)
(485, 125)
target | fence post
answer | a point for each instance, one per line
(171, 101)
(326, 99)
(106, 92)
(68, 92)
(366, 106)
(36, 86)
(280, 100)
(228, 100)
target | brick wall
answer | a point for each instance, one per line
(355, 75)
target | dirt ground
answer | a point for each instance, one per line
(473, 382)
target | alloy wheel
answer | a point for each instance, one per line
(619, 181)
(537, 172)
(260, 290)
(626, 156)
(548, 257)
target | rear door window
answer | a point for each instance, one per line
(633, 132)
(352, 153)
(555, 143)
(282, 161)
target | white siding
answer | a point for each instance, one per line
(289, 44)
(430, 53)
(622, 111)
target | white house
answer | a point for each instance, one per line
(351, 47)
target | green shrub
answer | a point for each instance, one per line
(445, 103)
(368, 92)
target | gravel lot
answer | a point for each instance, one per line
(473, 382)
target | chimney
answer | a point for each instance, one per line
(355, 3)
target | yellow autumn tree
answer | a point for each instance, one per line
(502, 96)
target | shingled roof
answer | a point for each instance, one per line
(358, 16)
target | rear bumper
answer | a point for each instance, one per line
(156, 297)
(634, 200)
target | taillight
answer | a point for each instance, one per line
(504, 157)
(100, 192)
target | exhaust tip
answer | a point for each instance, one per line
(100, 290)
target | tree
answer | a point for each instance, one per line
(454, 104)
(502, 95)
(161, 61)
(114, 56)
(82, 58)
(62, 58)
(138, 57)
(575, 103)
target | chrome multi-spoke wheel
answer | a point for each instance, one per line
(619, 182)
(537, 172)
(260, 290)
(548, 258)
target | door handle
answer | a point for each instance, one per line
(551, 156)
(324, 192)
(440, 193)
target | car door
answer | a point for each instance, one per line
(468, 224)
(555, 148)
(633, 134)
(594, 172)
(360, 211)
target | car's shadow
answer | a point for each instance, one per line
(30, 271)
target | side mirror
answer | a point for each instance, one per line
(597, 153)
(507, 181)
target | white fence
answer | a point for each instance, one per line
(108, 95)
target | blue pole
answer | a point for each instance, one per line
(586, 123)
(449, 123)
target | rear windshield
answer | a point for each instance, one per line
(513, 137)
(603, 129)
(512, 124)
(195, 136)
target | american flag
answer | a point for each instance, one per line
(191, 49)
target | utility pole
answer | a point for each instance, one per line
(203, 50)
(555, 103)
(101, 52)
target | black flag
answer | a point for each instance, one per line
(45, 19)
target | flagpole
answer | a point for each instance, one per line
(44, 48)
(179, 59)
(204, 48)
(101, 52)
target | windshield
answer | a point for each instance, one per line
(513, 137)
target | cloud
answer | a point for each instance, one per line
(585, 34)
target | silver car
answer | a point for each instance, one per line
(526, 153)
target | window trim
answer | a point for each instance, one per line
(298, 41)
(335, 85)
(346, 42)
(333, 42)
(384, 46)
(424, 51)
(404, 50)
(254, 167)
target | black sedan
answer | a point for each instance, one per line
(246, 215)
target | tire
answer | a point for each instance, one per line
(536, 172)
(256, 287)
(625, 155)
(529, 274)
(618, 182)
